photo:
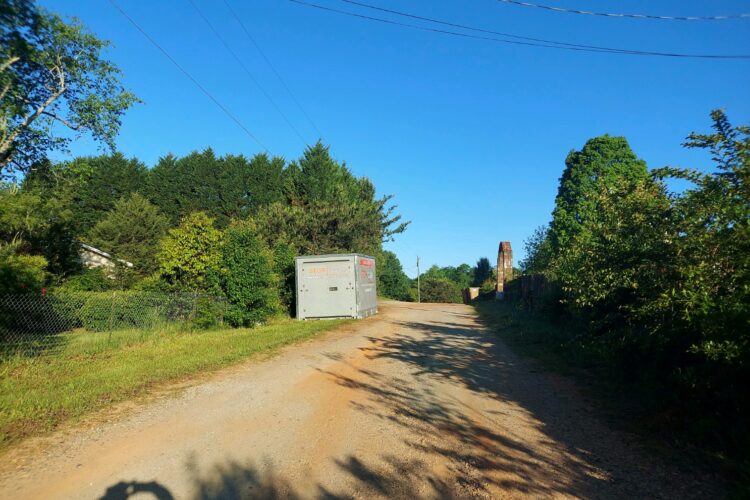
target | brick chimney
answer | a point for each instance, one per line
(504, 268)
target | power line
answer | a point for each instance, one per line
(558, 45)
(188, 75)
(247, 71)
(480, 30)
(273, 68)
(744, 15)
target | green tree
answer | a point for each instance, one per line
(538, 248)
(316, 176)
(392, 281)
(132, 231)
(52, 73)
(245, 276)
(713, 249)
(226, 188)
(462, 275)
(38, 225)
(320, 227)
(623, 261)
(88, 187)
(189, 252)
(605, 159)
(319, 183)
(481, 272)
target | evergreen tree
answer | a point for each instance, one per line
(482, 271)
(131, 231)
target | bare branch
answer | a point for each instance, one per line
(62, 120)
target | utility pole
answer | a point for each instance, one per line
(419, 296)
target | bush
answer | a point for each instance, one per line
(209, 313)
(105, 311)
(131, 231)
(188, 253)
(90, 280)
(440, 290)
(245, 277)
(21, 273)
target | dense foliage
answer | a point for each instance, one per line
(177, 222)
(190, 252)
(245, 276)
(660, 281)
(392, 281)
(132, 231)
(440, 290)
(444, 284)
(482, 272)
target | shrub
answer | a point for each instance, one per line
(190, 251)
(90, 280)
(114, 310)
(245, 276)
(440, 290)
(21, 273)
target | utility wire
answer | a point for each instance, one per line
(480, 30)
(247, 71)
(531, 44)
(188, 75)
(273, 68)
(744, 15)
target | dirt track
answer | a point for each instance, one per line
(418, 402)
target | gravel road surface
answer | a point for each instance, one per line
(417, 402)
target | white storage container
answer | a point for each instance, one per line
(336, 286)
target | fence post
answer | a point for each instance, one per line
(111, 317)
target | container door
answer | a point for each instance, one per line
(327, 289)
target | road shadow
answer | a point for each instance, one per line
(588, 460)
(570, 454)
(126, 489)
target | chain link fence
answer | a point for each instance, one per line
(43, 324)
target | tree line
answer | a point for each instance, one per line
(226, 225)
(656, 284)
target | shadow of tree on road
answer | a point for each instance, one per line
(565, 451)
(577, 454)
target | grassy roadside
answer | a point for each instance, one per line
(93, 370)
(532, 336)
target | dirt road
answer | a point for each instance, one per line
(417, 402)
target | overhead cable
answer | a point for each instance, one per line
(189, 76)
(547, 44)
(273, 68)
(247, 71)
(744, 15)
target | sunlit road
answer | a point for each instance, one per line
(417, 402)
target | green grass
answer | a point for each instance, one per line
(88, 371)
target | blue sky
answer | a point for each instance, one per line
(470, 135)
